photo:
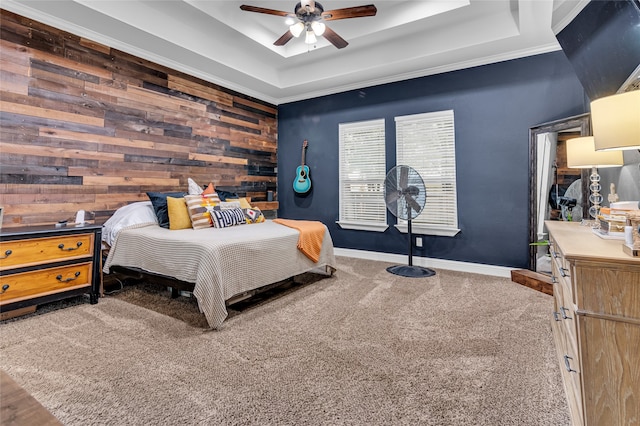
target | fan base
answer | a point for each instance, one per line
(411, 271)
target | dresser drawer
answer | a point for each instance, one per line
(36, 251)
(15, 287)
(558, 262)
(614, 366)
(567, 311)
(615, 291)
(569, 367)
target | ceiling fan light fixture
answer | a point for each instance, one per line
(296, 29)
(310, 38)
(311, 16)
(318, 27)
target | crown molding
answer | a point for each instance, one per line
(566, 11)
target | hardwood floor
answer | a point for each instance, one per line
(17, 407)
(534, 280)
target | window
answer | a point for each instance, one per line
(426, 142)
(362, 173)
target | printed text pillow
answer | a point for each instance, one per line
(229, 217)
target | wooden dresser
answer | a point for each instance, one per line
(43, 264)
(596, 325)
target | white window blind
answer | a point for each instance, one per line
(362, 173)
(426, 142)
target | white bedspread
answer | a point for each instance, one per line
(222, 262)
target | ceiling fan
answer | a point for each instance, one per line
(310, 17)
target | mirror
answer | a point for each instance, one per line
(556, 192)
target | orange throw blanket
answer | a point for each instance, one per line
(311, 236)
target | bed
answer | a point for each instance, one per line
(220, 262)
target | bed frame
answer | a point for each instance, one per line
(121, 274)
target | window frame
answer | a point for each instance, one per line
(349, 222)
(444, 139)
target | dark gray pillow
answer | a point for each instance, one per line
(159, 203)
(226, 194)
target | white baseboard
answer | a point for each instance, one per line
(452, 265)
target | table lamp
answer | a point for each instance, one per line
(581, 154)
(616, 121)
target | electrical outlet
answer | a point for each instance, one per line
(418, 241)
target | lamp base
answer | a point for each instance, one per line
(411, 271)
(595, 198)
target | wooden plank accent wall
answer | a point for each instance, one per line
(85, 126)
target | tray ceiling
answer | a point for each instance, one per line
(218, 42)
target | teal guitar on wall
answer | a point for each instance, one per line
(302, 182)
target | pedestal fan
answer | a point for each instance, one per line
(405, 195)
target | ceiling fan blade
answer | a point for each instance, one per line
(247, 8)
(350, 12)
(284, 39)
(334, 38)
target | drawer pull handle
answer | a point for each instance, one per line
(6, 254)
(564, 313)
(567, 364)
(59, 278)
(554, 254)
(563, 272)
(554, 280)
(4, 288)
(78, 244)
(555, 316)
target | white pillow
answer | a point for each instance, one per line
(194, 188)
(228, 205)
(137, 213)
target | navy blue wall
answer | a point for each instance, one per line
(494, 107)
(603, 44)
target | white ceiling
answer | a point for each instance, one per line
(218, 42)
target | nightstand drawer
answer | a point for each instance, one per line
(42, 282)
(36, 251)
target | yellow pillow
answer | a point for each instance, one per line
(178, 214)
(244, 203)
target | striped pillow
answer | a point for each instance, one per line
(230, 217)
(199, 207)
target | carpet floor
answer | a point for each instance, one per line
(361, 347)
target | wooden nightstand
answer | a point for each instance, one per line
(41, 264)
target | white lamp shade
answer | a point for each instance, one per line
(616, 121)
(581, 154)
(296, 29)
(318, 27)
(310, 38)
